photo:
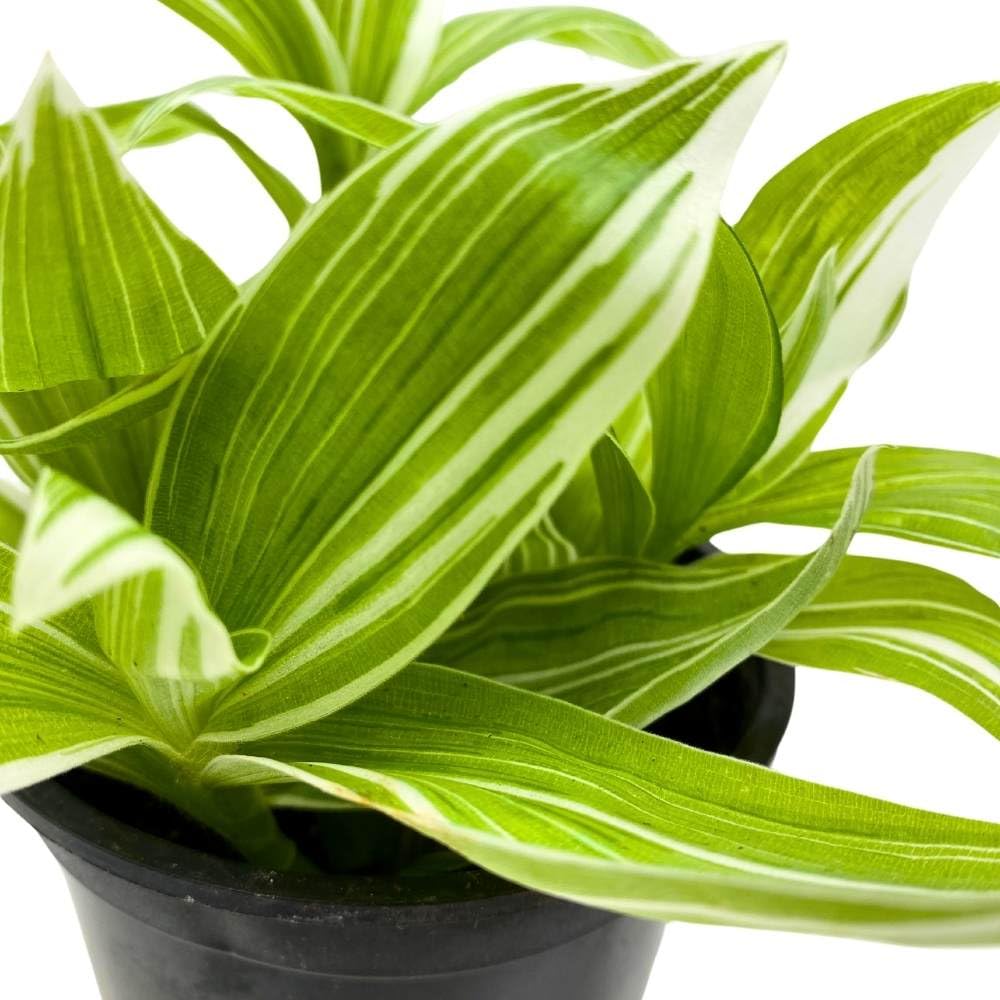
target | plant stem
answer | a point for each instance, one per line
(241, 816)
(244, 818)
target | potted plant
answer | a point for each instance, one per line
(359, 617)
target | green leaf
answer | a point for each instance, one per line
(866, 197)
(95, 282)
(634, 433)
(388, 46)
(729, 360)
(628, 509)
(469, 40)
(578, 512)
(188, 120)
(13, 508)
(363, 444)
(338, 113)
(121, 293)
(903, 622)
(542, 548)
(298, 796)
(715, 402)
(808, 325)
(947, 498)
(568, 803)
(152, 617)
(285, 40)
(288, 39)
(605, 509)
(114, 463)
(122, 409)
(183, 123)
(633, 640)
(62, 704)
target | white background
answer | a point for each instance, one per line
(935, 384)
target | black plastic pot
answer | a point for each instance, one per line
(165, 922)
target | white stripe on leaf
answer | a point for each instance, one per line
(152, 614)
(364, 550)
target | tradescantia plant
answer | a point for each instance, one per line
(398, 522)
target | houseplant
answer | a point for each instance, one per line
(413, 401)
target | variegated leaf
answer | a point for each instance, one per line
(715, 402)
(565, 802)
(62, 703)
(182, 123)
(925, 495)
(123, 294)
(13, 509)
(284, 40)
(633, 640)
(498, 284)
(902, 622)
(388, 47)
(469, 40)
(339, 113)
(153, 618)
(628, 511)
(287, 39)
(122, 409)
(864, 199)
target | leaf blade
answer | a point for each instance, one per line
(563, 801)
(122, 409)
(906, 623)
(388, 47)
(921, 494)
(729, 360)
(633, 640)
(628, 510)
(469, 40)
(62, 704)
(869, 194)
(78, 546)
(284, 39)
(532, 385)
(101, 315)
(350, 116)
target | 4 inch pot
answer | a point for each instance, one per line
(165, 922)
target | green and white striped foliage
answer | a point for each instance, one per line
(120, 410)
(396, 54)
(864, 200)
(903, 622)
(633, 639)
(151, 613)
(367, 438)
(469, 40)
(388, 47)
(599, 632)
(182, 123)
(339, 113)
(835, 235)
(62, 703)
(124, 293)
(13, 508)
(606, 508)
(543, 548)
(574, 805)
(947, 498)
(97, 288)
(729, 360)
(285, 39)
(414, 399)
